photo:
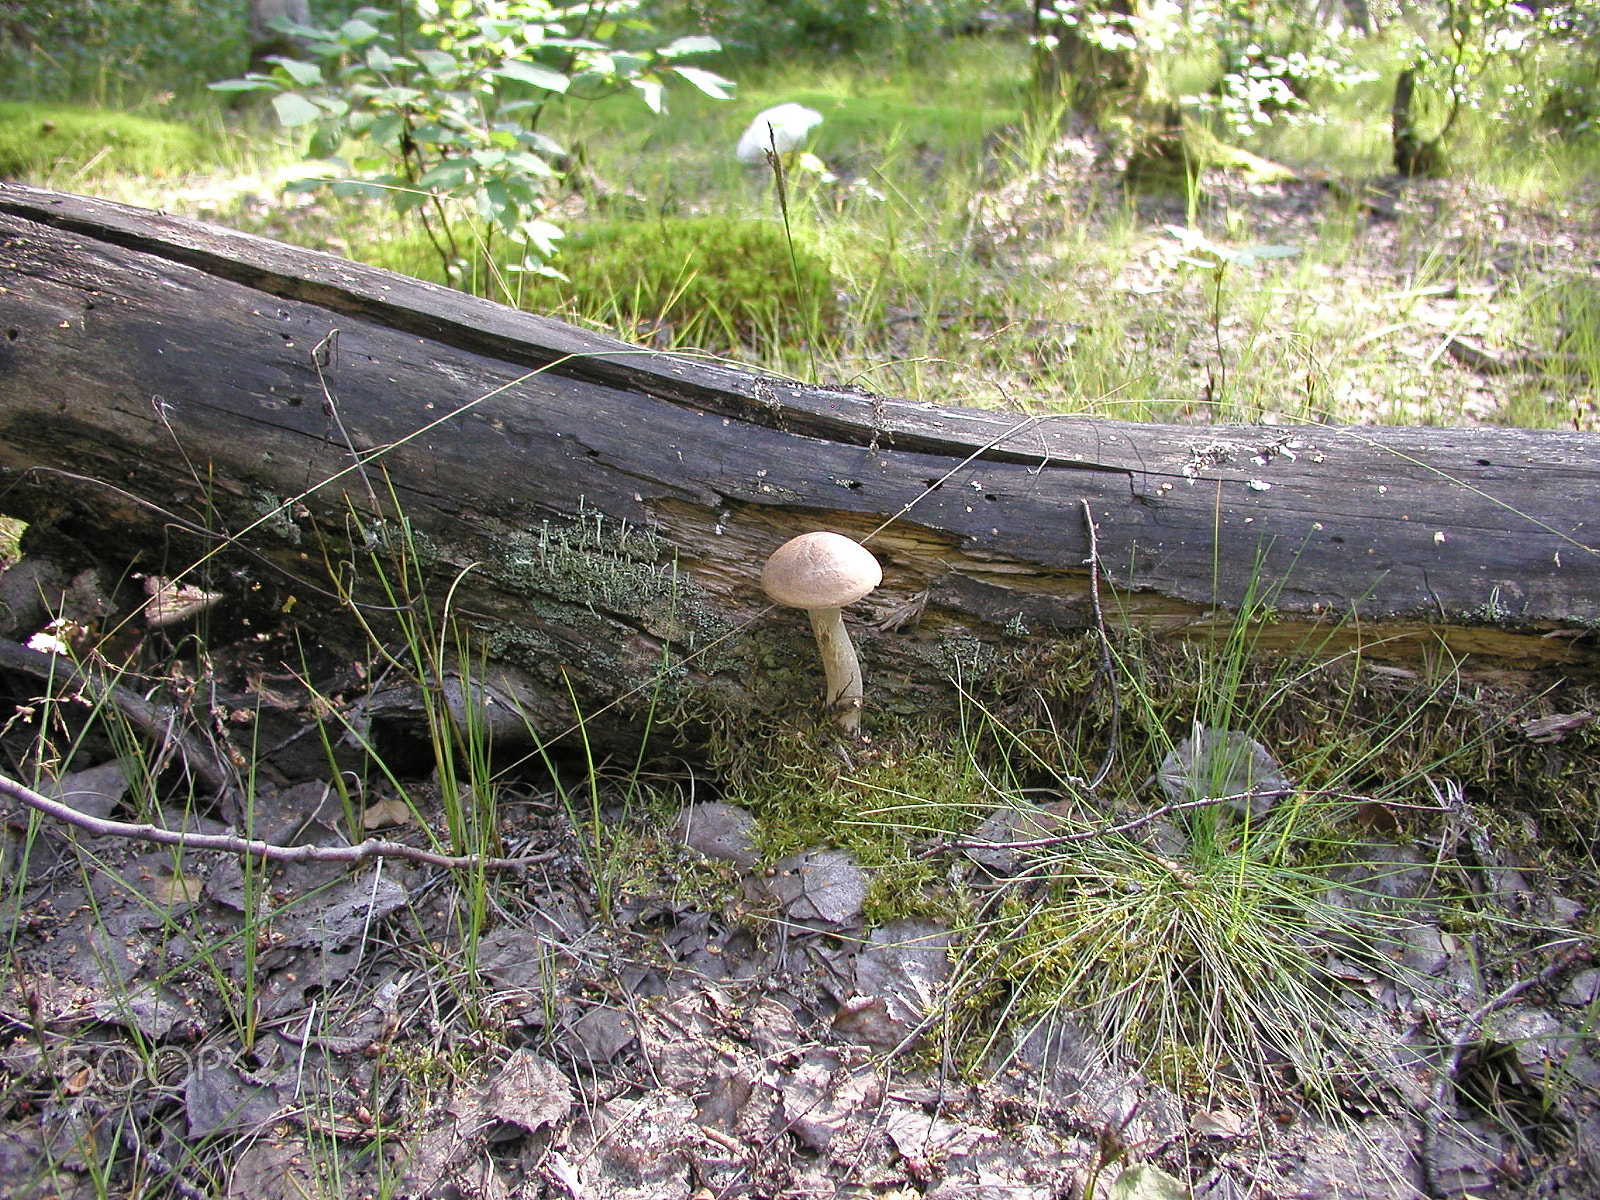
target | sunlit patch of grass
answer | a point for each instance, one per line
(61, 145)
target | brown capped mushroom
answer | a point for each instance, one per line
(821, 573)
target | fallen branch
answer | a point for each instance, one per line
(1487, 362)
(227, 843)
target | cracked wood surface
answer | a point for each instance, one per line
(611, 505)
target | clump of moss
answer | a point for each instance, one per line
(39, 142)
(709, 281)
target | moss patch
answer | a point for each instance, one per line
(716, 281)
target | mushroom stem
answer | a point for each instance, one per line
(846, 693)
(821, 572)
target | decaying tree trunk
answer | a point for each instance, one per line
(599, 513)
(1414, 155)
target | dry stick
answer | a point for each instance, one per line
(1107, 667)
(1085, 835)
(1439, 1106)
(227, 843)
(157, 720)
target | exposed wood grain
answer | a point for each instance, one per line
(611, 506)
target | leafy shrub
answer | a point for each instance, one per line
(1571, 105)
(439, 102)
(40, 140)
(717, 281)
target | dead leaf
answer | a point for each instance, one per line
(172, 602)
(152, 1010)
(61, 636)
(272, 1171)
(993, 844)
(529, 1092)
(1223, 764)
(598, 1036)
(906, 963)
(719, 830)
(917, 1134)
(29, 1171)
(218, 1099)
(169, 891)
(866, 1019)
(94, 791)
(564, 1173)
(1223, 1123)
(1146, 1182)
(386, 813)
(821, 1094)
(820, 885)
(1554, 727)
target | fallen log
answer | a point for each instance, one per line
(599, 513)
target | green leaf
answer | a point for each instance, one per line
(257, 84)
(711, 84)
(386, 128)
(443, 177)
(439, 64)
(652, 92)
(1270, 251)
(327, 139)
(531, 164)
(541, 143)
(295, 110)
(627, 66)
(535, 75)
(697, 43)
(355, 31)
(395, 97)
(303, 73)
(541, 235)
(356, 187)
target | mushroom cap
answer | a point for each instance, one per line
(820, 570)
(783, 128)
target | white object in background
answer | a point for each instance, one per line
(783, 128)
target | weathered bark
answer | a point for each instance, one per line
(265, 40)
(603, 511)
(1413, 155)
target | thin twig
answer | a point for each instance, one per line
(1083, 835)
(226, 843)
(156, 720)
(220, 541)
(1439, 1108)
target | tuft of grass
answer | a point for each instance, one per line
(1207, 971)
